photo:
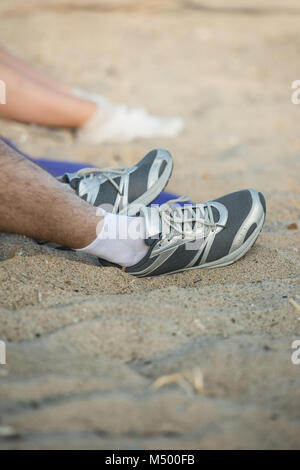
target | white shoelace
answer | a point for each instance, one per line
(184, 222)
(97, 173)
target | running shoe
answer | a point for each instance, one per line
(123, 190)
(208, 235)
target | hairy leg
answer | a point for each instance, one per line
(35, 204)
(33, 102)
(32, 73)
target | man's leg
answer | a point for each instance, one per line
(30, 101)
(35, 204)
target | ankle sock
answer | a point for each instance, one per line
(121, 240)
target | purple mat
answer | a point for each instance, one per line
(59, 167)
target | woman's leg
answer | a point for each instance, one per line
(32, 102)
(32, 73)
(32, 97)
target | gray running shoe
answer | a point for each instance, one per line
(211, 234)
(123, 190)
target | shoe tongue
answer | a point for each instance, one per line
(72, 179)
(152, 223)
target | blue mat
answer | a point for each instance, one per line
(59, 167)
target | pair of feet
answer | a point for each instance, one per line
(180, 237)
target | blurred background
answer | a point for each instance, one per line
(226, 67)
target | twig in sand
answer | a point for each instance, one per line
(189, 380)
(294, 304)
(198, 381)
(166, 380)
(13, 251)
(124, 275)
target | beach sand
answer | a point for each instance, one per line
(98, 359)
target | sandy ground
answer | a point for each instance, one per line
(86, 344)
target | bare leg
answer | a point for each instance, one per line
(33, 97)
(35, 204)
(32, 73)
(33, 102)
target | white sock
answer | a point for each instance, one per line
(116, 122)
(121, 240)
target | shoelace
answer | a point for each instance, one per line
(97, 173)
(174, 220)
